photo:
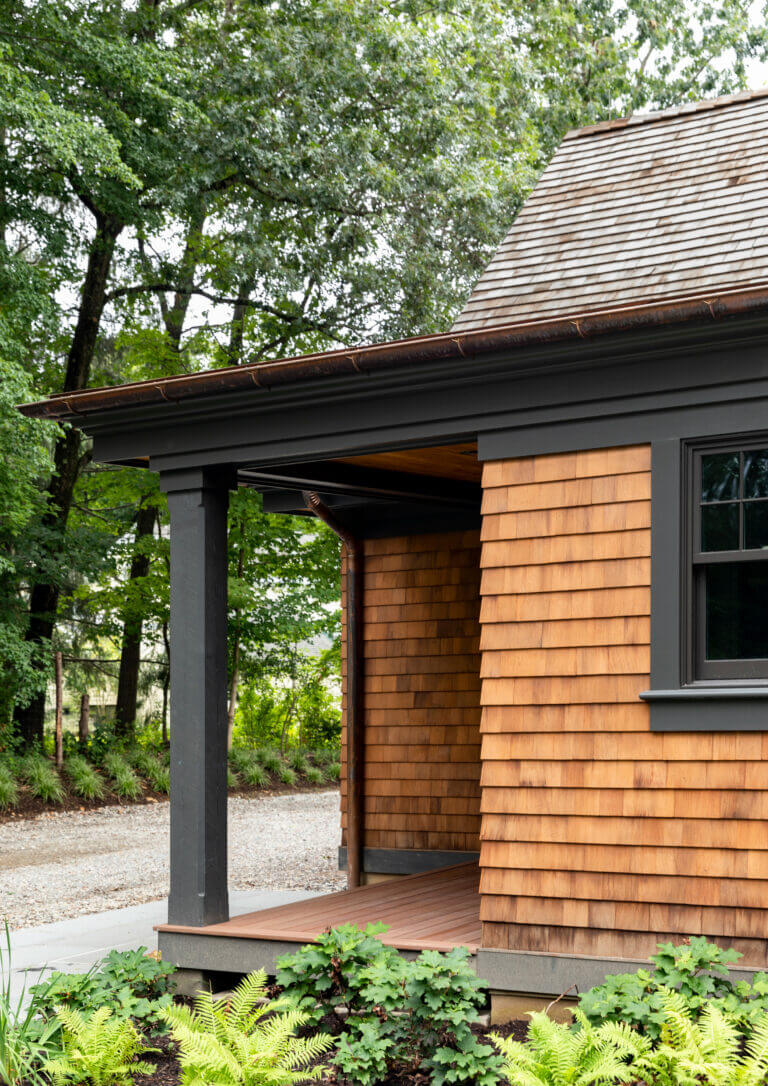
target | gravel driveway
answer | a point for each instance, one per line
(61, 865)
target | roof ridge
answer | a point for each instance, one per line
(633, 119)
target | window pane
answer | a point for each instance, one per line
(720, 527)
(737, 611)
(755, 525)
(756, 473)
(719, 477)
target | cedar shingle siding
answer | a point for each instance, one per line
(422, 715)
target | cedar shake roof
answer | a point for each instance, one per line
(634, 211)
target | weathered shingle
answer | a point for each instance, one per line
(634, 211)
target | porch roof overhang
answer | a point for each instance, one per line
(694, 309)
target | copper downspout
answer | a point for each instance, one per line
(355, 687)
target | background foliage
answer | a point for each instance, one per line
(190, 183)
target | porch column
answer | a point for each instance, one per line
(197, 501)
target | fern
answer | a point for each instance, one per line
(100, 1050)
(558, 1055)
(243, 1040)
(704, 1051)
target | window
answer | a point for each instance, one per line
(729, 578)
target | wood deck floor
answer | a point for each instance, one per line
(435, 911)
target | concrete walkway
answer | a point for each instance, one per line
(72, 946)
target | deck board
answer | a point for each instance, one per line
(434, 911)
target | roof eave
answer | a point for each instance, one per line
(400, 353)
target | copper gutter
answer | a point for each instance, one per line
(405, 352)
(355, 687)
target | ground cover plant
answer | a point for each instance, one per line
(102, 771)
(132, 983)
(9, 789)
(41, 777)
(84, 779)
(698, 970)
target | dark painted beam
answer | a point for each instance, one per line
(197, 502)
(359, 481)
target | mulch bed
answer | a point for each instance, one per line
(30, 806)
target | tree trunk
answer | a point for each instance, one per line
(235, 659)
(175, 315)
(59, 738)
(233, 695)
(44, 595)
(130, 655)
(84, 724)
(239, 313)
(166, 681)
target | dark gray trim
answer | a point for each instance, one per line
(228, 954)
(380, 520)
(626, 423)
(433, 404)
(666, 564)
(406, 861)
(676, 702)
(197, 502)
(710, 709)
(528, 972)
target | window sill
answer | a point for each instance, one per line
(709, 709)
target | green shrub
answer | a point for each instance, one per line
(42, 778)
(270, 759)
(328, 973)
(559, 1055)
(421, 1013)
(100, 1050)
(233, 781)
(297, 760)
(133, 983)
(125, 783)
(699, 970)
(333, 771)
(244, 1041)
(84, 780)
(287, 775)
(9, 791)
(315, 775)
(255, 775)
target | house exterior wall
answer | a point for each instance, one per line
(422, 668)
(598, 836)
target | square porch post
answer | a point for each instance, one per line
(197, 502)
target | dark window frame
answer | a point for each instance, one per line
(677, 701)
(698, 668)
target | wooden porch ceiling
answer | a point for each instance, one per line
(434, 911)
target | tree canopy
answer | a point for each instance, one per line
(190, 183)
